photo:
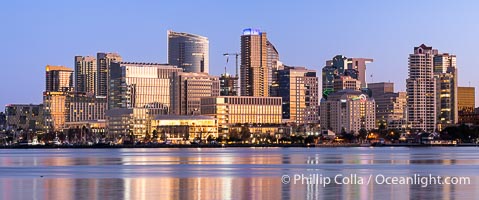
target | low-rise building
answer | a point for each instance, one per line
(260, 114)
(130, 123)
(178, 128)
(27, 117)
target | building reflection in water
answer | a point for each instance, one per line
(229, 174)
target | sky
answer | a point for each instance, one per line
(34, 34)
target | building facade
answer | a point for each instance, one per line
(141, 85)
(128, 124)
(138, 92)
(421, 89)
(85, 74)
(271, 61)
(26, 117)
(56, 109)
(188, 89)
(3, 121)
(228, 85)
(466, 99)
(346, 82)
(359, 64)
(104, 61)
(188, 51)
(83, 107)
(177, 128)
(341, 66)
(58, 79)
(390, 105)
(348, 111)
(298, 88)
(254, 67)
(237, 111)
(445, 73)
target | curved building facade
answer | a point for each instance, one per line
(188, 51)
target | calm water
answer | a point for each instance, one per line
(232, 173)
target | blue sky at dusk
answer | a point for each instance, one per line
(306, 33)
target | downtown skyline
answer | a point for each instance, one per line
(383, 33)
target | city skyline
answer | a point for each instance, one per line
(56, 41)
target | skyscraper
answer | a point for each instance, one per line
(104, 61)
(348, 111)
(390, 105)
(421, 88)
(359, 64)
(141, 85)
(254, 67)
(346, 82)
(59, 85)
(85, 74)
(188, 89)
(298, 88)
(138, 92)
(272, 62)
(445, 73)
(56, 109)
(58, 79)
(341, 66)
(188, 51)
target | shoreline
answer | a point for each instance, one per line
(230, 146)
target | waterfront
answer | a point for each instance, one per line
(230, 173)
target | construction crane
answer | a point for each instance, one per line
(227, 59)
(237, 85)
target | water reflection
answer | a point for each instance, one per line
(231, 173)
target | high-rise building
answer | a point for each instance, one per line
(445, 73)
(141, 85)
(3, 121)
(378, 89)
(26, 117)
(466, 99)
(228, 85)
(85, 74)
(188, 51)
(104, 61)
(348, 111)
(346, 82)
(341, 66)
(421, 89)
(56, 107)
(188, 89)
(271, 61)
(58, 79)
(83, 107)
(254, 67)
(138, 92)
(298, 88)
(359, 64)
(390, 105)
